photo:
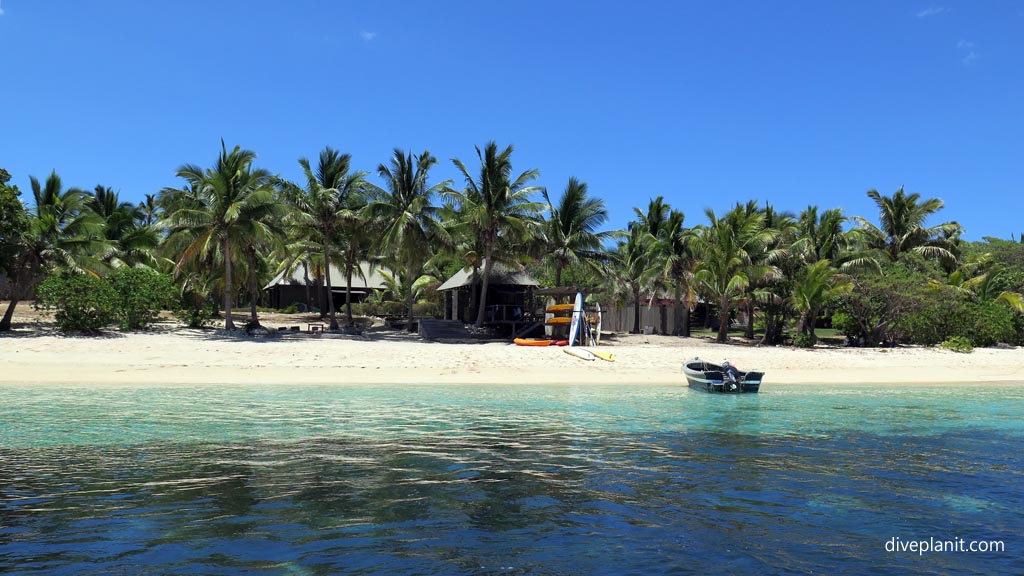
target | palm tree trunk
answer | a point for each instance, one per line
(677, 312)
(254, 321)
(663, 316)
(5, 324)
(636, 310)
(330, 294)
(408, 292)
(305, 277)
(723, 320)
(686, 322)
(228, 323)
(482, 309)
(749, 334)
(558, 274)
(348, 295)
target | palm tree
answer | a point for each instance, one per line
(980, 280)
(776, 253)
(902, 217)
(570, 232)
(220, 212)
(726, 269)
(814, 285)
(62, 234)
(149, 210)
(327, 207)
(656, 222)
(496, 207)
(656, 217)
(406, 215)
(675, 247)
(132, 242)
(635, 266)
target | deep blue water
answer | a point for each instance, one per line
(507, 480)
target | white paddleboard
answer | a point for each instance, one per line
(597, 328)
(577, 318)
(581, 353)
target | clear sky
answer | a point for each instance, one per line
(706, 103)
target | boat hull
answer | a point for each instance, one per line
(709, 377)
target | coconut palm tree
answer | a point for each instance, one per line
(777, 253)
(725, 247)
(675, 248)
(980, 280)
(328, 207)
(219, 212)
(636, 267)
(149, 209)
(656, 222)
(406, 216)
(570, 233)
(902, 217)
(132, 242)
(813, 286)
(497, 208)
(62, 234)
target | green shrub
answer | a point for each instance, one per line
(141, 295)
(846, 325)
(989, 323)
(83, 303)
(802, 340)
(958, 344)
(942, 319)
(426, 310)
(291, 309)
(193, 316)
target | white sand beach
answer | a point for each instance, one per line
(172, 355)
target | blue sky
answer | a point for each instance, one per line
(705, 103)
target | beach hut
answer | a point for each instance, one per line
(287, 289)
(509, 295)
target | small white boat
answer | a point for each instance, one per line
(724, 378)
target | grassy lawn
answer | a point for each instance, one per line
(827, 336)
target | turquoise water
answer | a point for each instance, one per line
(507, 479)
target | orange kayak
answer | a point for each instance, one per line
(532, 342)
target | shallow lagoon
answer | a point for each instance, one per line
(507, 479)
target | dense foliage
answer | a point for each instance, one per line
(141, 295)
(83, 302)
(899, 276)
(130, 297)
(13, 222)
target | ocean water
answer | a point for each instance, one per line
(509, 480)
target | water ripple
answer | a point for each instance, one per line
(484, 481)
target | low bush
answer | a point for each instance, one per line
(141, 295)
(193, 316)
(958, 344)
(83, 303)
(802, 340)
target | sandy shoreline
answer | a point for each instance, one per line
(180, 356)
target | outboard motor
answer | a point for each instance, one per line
(731, 374)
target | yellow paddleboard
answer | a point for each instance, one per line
(604, 355)
(558, 320)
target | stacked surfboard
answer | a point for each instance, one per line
(582, 330)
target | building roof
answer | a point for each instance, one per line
(368, 280)
(500, 275)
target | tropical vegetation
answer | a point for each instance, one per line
(900, 275)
